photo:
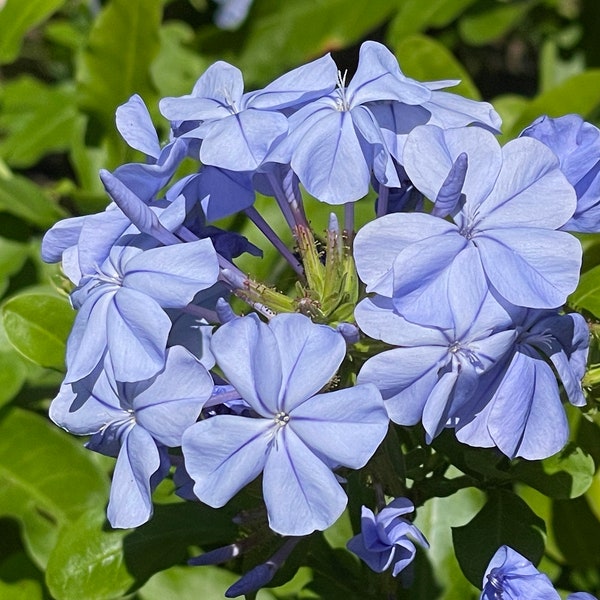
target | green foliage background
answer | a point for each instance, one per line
(65, 65)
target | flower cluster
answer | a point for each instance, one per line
(467, 264)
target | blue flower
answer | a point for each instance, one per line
(121, 307)
(511, 202)
(298, 436)
(387, 539)
(517, 406)
(238, 129)
(135, 422)
(576, 143)
(510, 576)
(432, 375)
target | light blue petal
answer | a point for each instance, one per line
(527, 418)
(405, 377)
(174, 400)
(430, 153)
(173, 275)
(422, 273)
(451, 110)
(137, 330)
(329, 159)
(378, 77)
(310, 356)
(301, 493)
(130, 503)
(135, 125)
(438, 406)
(346, 426)
(241, 141)
(530, 191)
(376, 317)
(531, 267)
(224, 453)
(379, 242)
(88, 339)
(310, 81)
(247, 352)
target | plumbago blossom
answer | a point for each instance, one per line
(445, 311)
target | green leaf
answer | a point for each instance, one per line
(92, 561)
(414, 16)
(12, 256)
(116, 62)
(47, 478)
(36, 119)
(13, 370)
(486, 25)
(38, 325)
(426, 59)
(577, 532)
(24, 589)
(17, 18)
(176, 67)
(579, 94)
(567, 474)
(505, 519)
(587, 294)
(284, 34)
(435, 519)
(28, 201)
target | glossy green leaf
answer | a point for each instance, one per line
(193, 583)
(38, 325)
(36, 119)
(47, 478)
(579, 94)
(492, 22)
(24, 199)
(92, 561)
(577, 532)
(425, 59)
(16, 18)
(505, 519)
(12, 256)
(284, 34)
(587, 294)
(435, 519)
(116, 62)
(567, 474)
(13, 370)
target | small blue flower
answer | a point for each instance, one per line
(298, 435)
(136, 422)
(510, 576)
(387, 539)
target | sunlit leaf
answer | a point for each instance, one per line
(36, 119)
(115, 64)
(425, 59)
(567, 474)
(436, 519)
(47, 483)
(38, 325)
(18, 17)
(94, 562)
(492, 22)
(26, 200)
